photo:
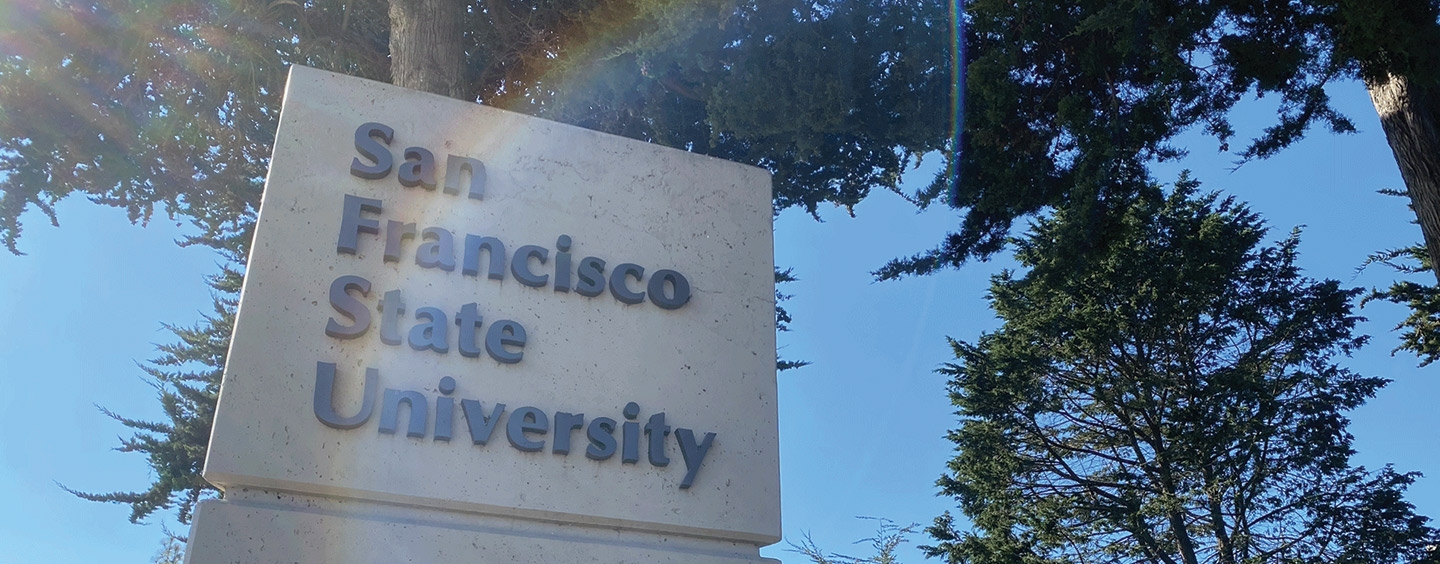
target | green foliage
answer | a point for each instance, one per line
(1068, 102)
(888, 538)
(167, 103)
(187, 377)
(1420, 331)
(172, 103)
(1174, 397)
(172, 551)
(782, 317)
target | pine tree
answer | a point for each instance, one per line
(884, 545)
(187, 377)
(1176, 397)
(170, 106)
(1419, 331)
(1067, 103)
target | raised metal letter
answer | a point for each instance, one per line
(324, 397)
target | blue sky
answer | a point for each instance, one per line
(861, 429)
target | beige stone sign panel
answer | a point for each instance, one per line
(355, 272)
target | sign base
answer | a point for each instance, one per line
(263, 527)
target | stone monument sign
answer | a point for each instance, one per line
(472, 334)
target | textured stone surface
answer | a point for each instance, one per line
(258, 527)
(710, 365)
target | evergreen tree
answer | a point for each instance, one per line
(170, 106)
(1419, 331)
(187, 377)
(884, 545)
(1175, 397)
(172, 551)
(1067, 102)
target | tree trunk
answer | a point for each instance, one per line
(1410, 116)
(427, 46)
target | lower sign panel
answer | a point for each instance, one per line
(265, 527)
